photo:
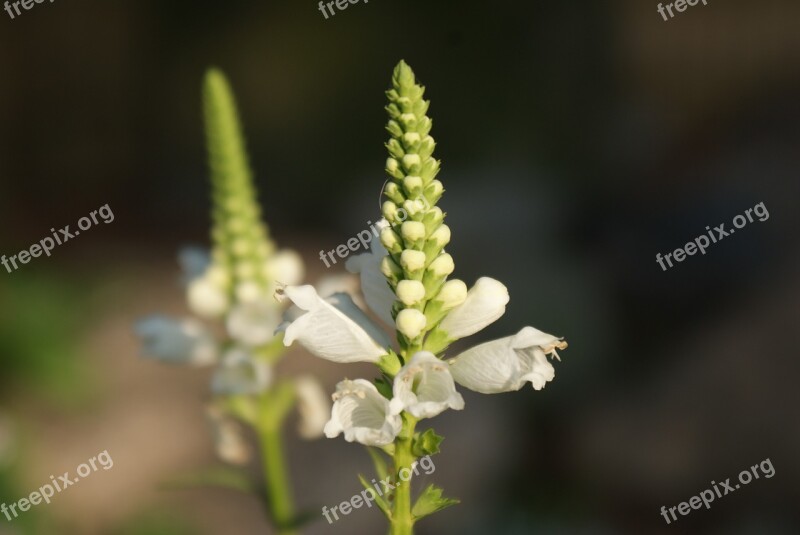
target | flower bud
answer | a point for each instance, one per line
(391, 165)
(206, 298)
(389, 210)
(392, 191)
(408, 120)
(442, 266)
(413, 260)
(441, 235)
(412, 185)
(410, 322)
(411, 139)
(411, 162)
(411, 292)
(394, 148)
(452, 294)
(433, 191)
(247, 292)
(390, 269)
(412, 231)
(413, 207)
(390, 240)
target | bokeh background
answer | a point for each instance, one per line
(578, 140)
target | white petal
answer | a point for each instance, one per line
(377, 292)
(177, 341)
(362, 414)
(285, 267)
(229, 441)
(206, 297)
(486, 302)
(424, 387)
(239, 373)
(313, 406)
(253, 324)
(506, 364)
(334, 328)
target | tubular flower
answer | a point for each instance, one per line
(362, 414)
(333, 329)
(424, 387)
(505, 365)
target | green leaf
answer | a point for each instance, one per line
(384, 386)
(214, 476)
(431, 501)
(426, 443)
(390, 363)
(382, 504)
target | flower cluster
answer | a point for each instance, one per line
(234, 283)
(405, 281)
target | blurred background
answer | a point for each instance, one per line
(578, 140)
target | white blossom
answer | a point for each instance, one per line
(424, 387)
(362, 414)
(486, 302)
(334, 328)
(506, 364)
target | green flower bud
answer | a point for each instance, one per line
(413, 260)
(389, 211)
(390, 269)
(452, 294)
(391, 240)
(411, 322)
(410, 292)
(441, 236)
(413, 185)
(412, 231)
(442, 266)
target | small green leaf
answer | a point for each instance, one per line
(390, 363)
(384, 386)
(426, 443)
(382, 504)
(431, 501)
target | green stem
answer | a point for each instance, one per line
(402, 519)
(273, 459)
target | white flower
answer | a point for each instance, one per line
(374, 286)
(253, 324)
(505, 365)
(362, 414)
(486, 302)
(229, 441)
(313, 406)
(334, 328)
(239, 373)
(424, 387)
(410, 322)
(285, 267)
(177, 341)
(207, 297)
